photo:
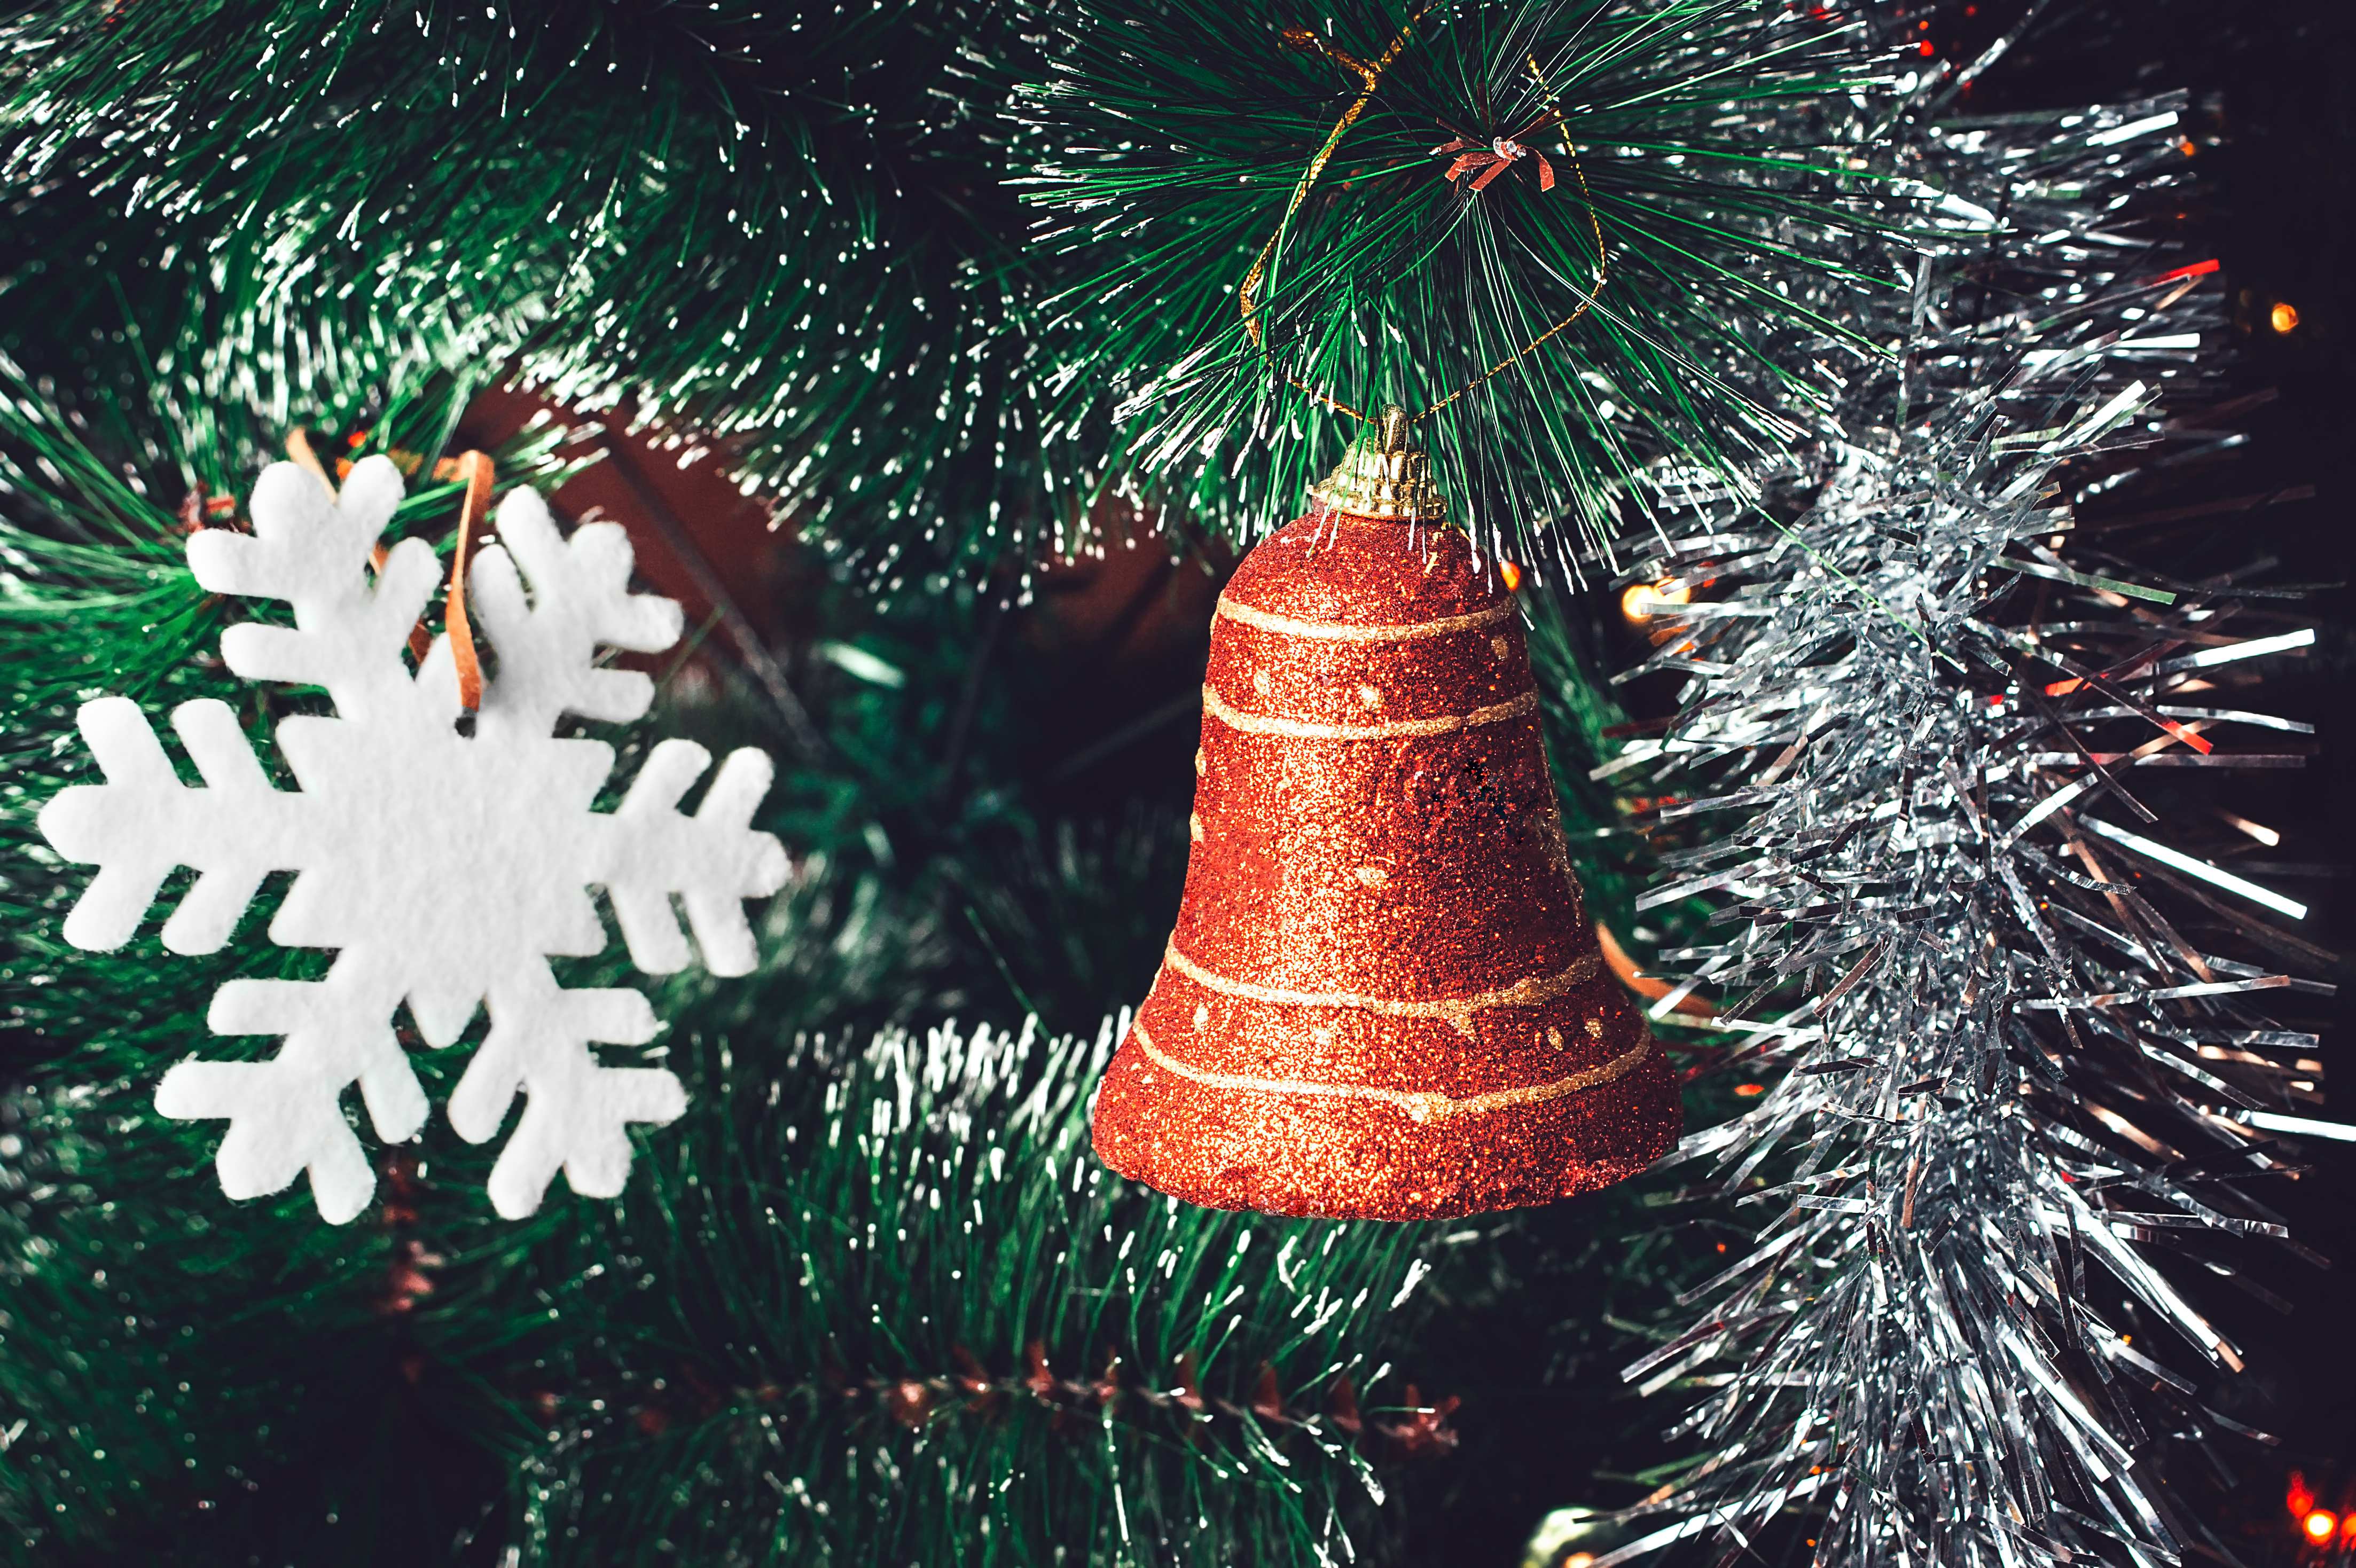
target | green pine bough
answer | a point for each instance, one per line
(924, 1287)
(783, 224)
(1261, 213)
(801, 231)
(298, 225)
(899, 1275)
(161, 1348)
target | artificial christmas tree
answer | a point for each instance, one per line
(868, 1296)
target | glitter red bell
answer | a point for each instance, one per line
(1383, 999)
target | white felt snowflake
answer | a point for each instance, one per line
(441, 868)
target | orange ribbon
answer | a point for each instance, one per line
(476, 468)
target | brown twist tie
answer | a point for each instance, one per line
(1499, 156)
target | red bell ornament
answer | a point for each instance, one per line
(1384, 998)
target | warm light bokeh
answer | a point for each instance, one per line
(1643, 601)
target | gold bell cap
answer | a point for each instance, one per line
(1384, 475)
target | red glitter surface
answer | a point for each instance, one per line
(1383, 999)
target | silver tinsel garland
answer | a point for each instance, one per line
(2016, 1084)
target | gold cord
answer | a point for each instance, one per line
(1370, 75)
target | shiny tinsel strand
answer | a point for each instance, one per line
(2015, 1082)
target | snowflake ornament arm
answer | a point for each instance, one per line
(443, 868)
(584, 600)
(311, 550)
(233, 832)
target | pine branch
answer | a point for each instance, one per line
(929, 1279)
(275, 1344)
(785, 228)
(1718, 159)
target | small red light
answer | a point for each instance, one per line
(1511, 574)
(2300, 1498)
(2321, 1525)
(1928, 48)
(1751, 1091)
